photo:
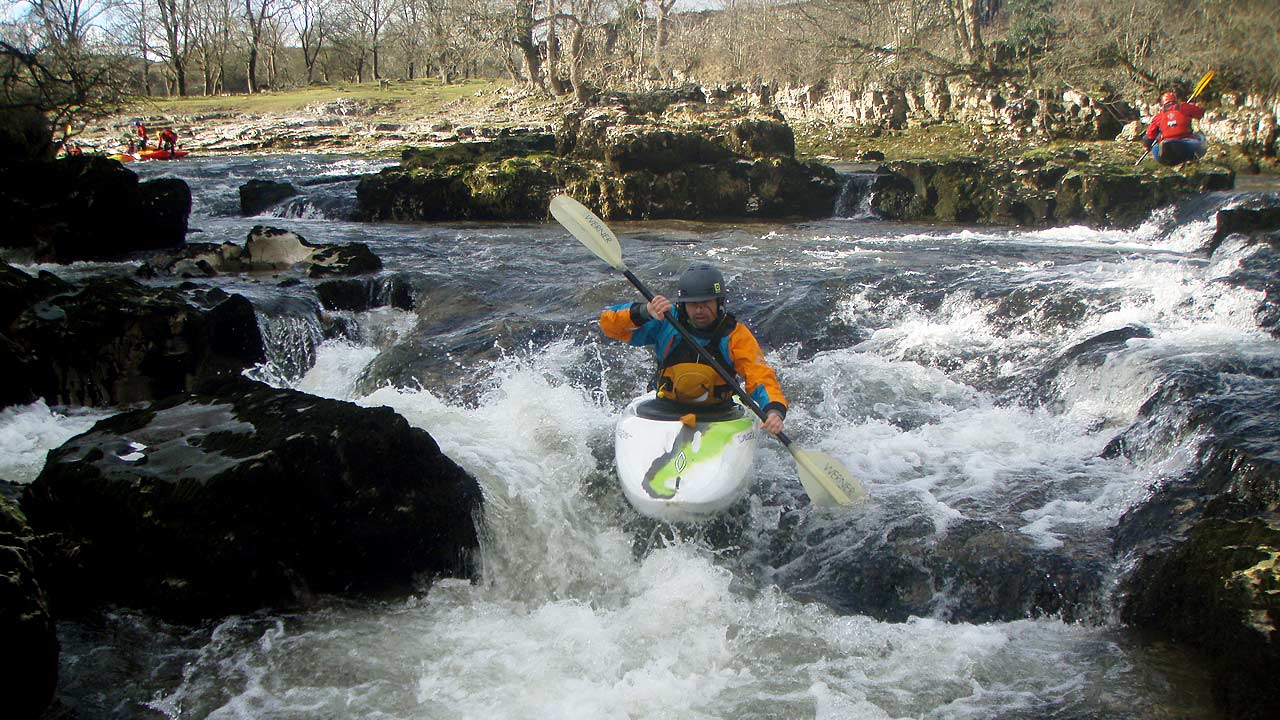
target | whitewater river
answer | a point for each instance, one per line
(936, 362)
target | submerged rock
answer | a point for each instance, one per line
(245, 496)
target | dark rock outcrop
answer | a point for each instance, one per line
(244, 496)
(259, 195)
(1219, 592)
(398, 291)
(89, 208)
(30, 649)
(112, 341)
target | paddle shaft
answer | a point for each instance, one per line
(706, 355)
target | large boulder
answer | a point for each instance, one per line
(258, 195)
(244, 496)
(30, 651)
(89, 208)
(662, 157)
(112, 341)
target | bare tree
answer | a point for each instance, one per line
(51, 71)
(177, 25)
(367, 21)
(311, 24)
(215, 24)
(257, 13)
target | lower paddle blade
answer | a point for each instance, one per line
(826, 481)
(589, 229)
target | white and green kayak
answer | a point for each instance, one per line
(680, 471)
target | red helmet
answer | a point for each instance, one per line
(1169, 97)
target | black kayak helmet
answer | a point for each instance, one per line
(699, 283)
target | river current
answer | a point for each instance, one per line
(942, 364)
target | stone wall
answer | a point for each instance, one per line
(1248, 121)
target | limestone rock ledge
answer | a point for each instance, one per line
(629, 160)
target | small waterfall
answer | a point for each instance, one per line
(291, 333)
(855, 196)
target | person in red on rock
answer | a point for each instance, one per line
(1170, 136)
(168, 140)
(141, 130)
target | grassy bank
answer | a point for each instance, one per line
(398, 101)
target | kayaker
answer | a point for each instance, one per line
(682, 376)
(141, 131)
(1170, 136)
(169, 140)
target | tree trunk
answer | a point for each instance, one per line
(251, 68)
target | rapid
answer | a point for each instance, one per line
(966, 374)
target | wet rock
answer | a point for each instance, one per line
(358, 295)
(1257, 213)
(972, 572)
(243, 496)
(112, 341)
(89, 208)
(259, 195)
(269, 248)
(30, 650)
(1220, 592)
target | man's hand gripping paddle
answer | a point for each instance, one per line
(824, 478)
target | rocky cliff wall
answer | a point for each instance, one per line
(1009, 109)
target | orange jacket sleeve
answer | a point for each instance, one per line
(759, 380)
(618, 322)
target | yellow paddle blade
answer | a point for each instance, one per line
(1200, 86)
(825, 480)
(589, 229)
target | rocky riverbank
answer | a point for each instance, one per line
(716, 153)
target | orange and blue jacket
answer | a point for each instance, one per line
(730, 340)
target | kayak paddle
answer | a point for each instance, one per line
(824, 478)
(1200, 86)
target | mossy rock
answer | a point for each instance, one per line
(484, 151)
(419, 194)
(512, 189)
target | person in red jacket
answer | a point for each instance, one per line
(169, 140)
(682, 376)
(1170, 136)
(141, 131)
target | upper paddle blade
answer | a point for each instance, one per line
(825, 480)
(589, 229)
(1200, 86)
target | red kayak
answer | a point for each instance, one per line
(161, 154)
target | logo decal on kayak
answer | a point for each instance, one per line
(693, 445)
